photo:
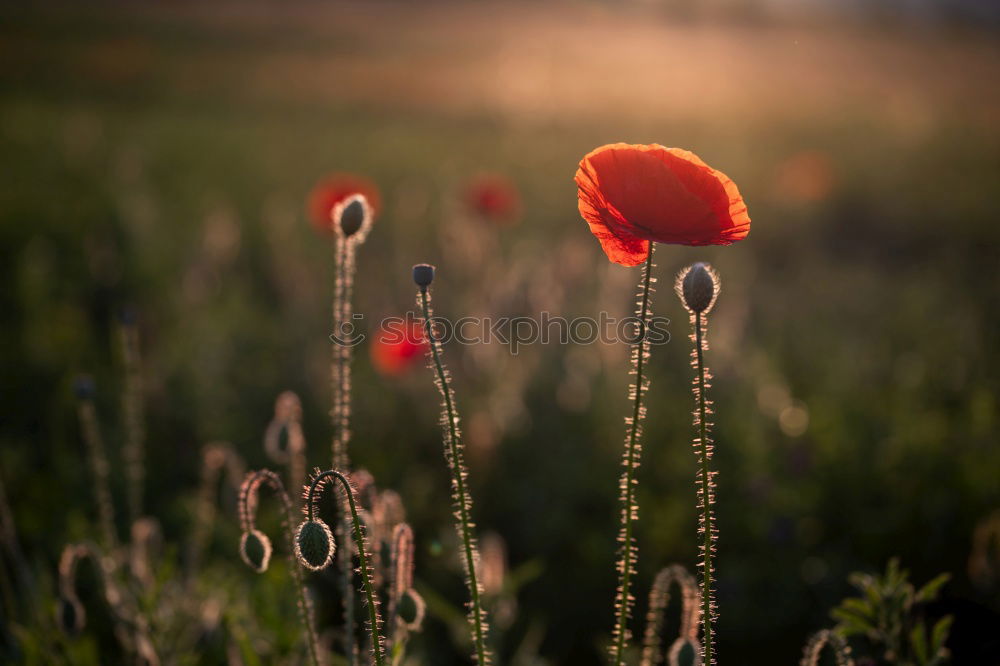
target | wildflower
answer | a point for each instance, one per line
(394, 352)
(631, 195)
(493, 197)
(335, 189)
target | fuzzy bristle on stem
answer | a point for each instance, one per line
(374, 621)
(698, 289)
(659, 598)
(135, 425)
(101, 470)
(630, 462)
(826, 639)
(462, 500)
(248, 512)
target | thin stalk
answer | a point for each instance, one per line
(463, 500)
(359, 540)
(340, 415)
(101, 470)
(248, 501)
(629, 509)
(135, 427)
(707, 493)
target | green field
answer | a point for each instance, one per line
(160, 156)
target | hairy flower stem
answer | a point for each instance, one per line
(707, 494)
(340, 414)
(359, 540)
(463, 501)
(629, 509)
(135, 427)
(101, 470)
(248, 501)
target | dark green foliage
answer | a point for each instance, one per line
(888, 616)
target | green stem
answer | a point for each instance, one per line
(705, 479)
(462, 499)
(359, 540)
(305, 606)
(631, 461)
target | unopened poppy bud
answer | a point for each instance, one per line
(83, 387)
(423, 275)
(255, 549)
(684, 652)
(698, 287)
(411, 609)
(70, 616)
(314, 544)
(352, 215)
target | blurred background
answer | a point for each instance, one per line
(161, 156)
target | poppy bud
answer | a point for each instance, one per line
(70, 616)
(314, 544)
(83, 387)
(352, 216)
(411, 609)
(255, 549)
(698, 287)
(423, 275)
(684, 652)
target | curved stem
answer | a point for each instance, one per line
(359, 540)
(458, 474)
(707, 495)
(305, 606)
(631, 462)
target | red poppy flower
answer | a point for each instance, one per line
(631, 194)
(395, 350)
(494, 197)
(334, 189)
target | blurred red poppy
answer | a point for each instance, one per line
(631, 194)
(397, 349)
(494, 197)
(332, 190)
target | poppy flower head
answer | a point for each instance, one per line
(335, 189)
(493, 197)
(633, 194)
(395, 350)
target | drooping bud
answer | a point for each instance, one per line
(83, 387)
(411, 609)
(255, 549)
(353, 216)
(698, 287)
(684, 652)
(70, 616)
(314, 544)
(423, 275)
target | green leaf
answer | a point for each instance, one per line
(930, 591)
(939, 635)
(918, 642)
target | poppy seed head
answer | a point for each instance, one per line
(423, 275)
(314, 544)
(698, 287)
(84, 388)
(352, 217)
